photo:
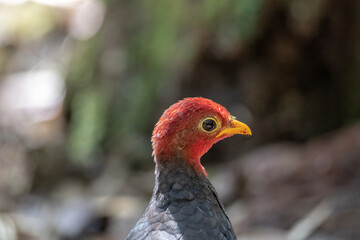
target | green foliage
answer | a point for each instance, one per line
(83, 63)
(150, 51)
(88, 124)
(88, 106)
(232, 18)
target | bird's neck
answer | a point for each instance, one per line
(175, 175)
(179, 161)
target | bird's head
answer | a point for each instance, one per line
(189, 128)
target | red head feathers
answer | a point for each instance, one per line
(189, 128)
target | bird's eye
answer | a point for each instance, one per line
(209, 124)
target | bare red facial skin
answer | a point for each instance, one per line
(177, 134)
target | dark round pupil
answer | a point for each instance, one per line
(209, 125)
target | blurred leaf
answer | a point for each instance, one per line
(88, 124)
(84, 60)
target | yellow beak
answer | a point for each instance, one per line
(236, 128)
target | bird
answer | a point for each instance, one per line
(184, 204)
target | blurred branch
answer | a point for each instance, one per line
(311, 221)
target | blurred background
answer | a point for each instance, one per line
(83, 82)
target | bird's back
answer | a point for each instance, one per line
(184, 206)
